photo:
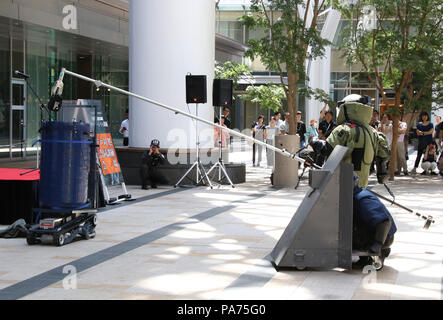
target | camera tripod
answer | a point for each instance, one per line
(199, 169)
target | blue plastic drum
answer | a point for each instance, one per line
(65, 163)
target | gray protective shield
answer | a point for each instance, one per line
(319, 235)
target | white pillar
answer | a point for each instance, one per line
(320, 71)
(168, 39)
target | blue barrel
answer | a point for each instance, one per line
(65, 163)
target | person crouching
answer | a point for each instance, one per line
(373, 226)
(151, 160)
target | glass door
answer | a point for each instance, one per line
(17, 124)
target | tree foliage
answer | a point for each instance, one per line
(291, 37)
(268, 96)
(233, 71)
(402, 53)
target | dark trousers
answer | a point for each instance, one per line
(362, 239)
(420, 152)
(152, 176)
(126, 142)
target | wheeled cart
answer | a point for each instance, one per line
(62, 226)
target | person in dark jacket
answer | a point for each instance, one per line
(373, 225)
(149, 171)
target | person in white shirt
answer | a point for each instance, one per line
(278, 120)
(284, 127)
(401, 154)
(124, 129)
(272, 131)
(386, 128)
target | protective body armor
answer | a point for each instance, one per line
(364, 142)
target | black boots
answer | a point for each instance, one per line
(381, 233)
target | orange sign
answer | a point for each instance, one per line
(106, 154)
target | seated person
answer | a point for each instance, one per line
(149, 171)
(373, 225)
(429, 163)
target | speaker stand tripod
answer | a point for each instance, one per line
(199, 169)
(219, 164)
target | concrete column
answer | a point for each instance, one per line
(320, 68)
(168, 39)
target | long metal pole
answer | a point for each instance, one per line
(98, 84)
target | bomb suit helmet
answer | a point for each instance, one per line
(366, 100)
(353, 131)
(353, 98)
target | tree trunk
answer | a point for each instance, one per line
(292, 101)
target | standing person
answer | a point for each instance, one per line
(440, 139)
(425, 128)
(301, 129)
(326, 126)
(440, 162)
(272, 131)
(311, 132)
(124, 129)
(374, 123)
(438, 130)
(258, 132)
(323, 114)
(386, 128)
(224, 134)
(278, 120)
(374, 119)
(401, 154)
(284, 127)
(226, 115)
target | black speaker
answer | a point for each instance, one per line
(196, 89)
(222, 93)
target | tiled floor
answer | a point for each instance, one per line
(213, 244)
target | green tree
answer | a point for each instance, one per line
(233, 71)
(402, 52)
(291, 38)
(267, 96)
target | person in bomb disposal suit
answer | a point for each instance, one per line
(151, 160)
(364, 142)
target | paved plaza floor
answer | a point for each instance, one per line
(197, 243)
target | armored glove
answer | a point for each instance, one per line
(382, 170)
(321, 147)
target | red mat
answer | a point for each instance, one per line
(14, 174)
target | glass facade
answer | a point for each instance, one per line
(347, 79)
(41, 52)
